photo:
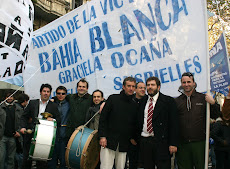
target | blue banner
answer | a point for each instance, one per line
(219, 66)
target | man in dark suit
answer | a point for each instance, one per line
(30, 117)
(158, 127)
(117, 126)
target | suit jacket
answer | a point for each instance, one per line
(118, 121)
(32, 111)
(164, 122)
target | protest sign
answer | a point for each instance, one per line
(105, 41)
(219, 66)
(16, 26)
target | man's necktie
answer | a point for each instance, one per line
(150, 116)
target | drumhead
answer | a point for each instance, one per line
(43, 141)
(89, 149)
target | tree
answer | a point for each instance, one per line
(219, 22)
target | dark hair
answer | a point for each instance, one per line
(47, 86)
(102, 94)
(189, 74)
(153, 78)
(22, 97)
(138, 83)
(83, 81)
(131, 79)
(61, 88)
(8, 93)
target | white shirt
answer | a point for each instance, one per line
(144, 132)
(42, 108)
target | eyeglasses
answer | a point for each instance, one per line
(61, 93)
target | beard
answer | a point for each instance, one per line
(154, 92)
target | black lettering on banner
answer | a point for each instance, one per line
(30, 12)
(19, 66)
(15, 28)
(29, 31)
(14, 38)
(25, 52)
(4, 55)
(2, 32)
(7, 72)
(18, 20)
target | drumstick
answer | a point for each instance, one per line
(28, 131)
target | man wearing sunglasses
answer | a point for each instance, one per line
(61, 139)
(192, 117)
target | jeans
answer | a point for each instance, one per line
(58, 154)
(19, 158)
(7, 152)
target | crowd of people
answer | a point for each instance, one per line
(140, 124)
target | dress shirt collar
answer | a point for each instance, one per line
(155, 97)
(41, 102)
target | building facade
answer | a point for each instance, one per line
(45, 11)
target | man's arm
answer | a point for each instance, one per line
(173, 126)
(103, 122)
(214, 108)
(26, 115)
(56, 113)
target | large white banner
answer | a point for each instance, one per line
(16, 26)
(106, 40)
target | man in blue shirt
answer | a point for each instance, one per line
(61, 139)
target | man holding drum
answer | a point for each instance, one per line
(30, 118)
(117, 126)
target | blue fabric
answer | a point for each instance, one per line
(63, 108)
(61, 140)
(19, 158)
(58, 153)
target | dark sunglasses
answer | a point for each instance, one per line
(61, 93)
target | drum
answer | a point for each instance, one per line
(83, 149)
(43, 141)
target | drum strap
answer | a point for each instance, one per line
(91, 118)
(78, 151)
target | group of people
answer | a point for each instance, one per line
(146, 128)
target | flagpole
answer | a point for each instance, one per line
(208, 88)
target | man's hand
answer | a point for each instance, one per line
(209, 99)
(17, 134)
(50, 119)
(103, 142)
(172, 149)
(133, 142)
(23, 130)
(101, 107)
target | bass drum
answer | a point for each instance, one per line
(43, 141)
(83, 149)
